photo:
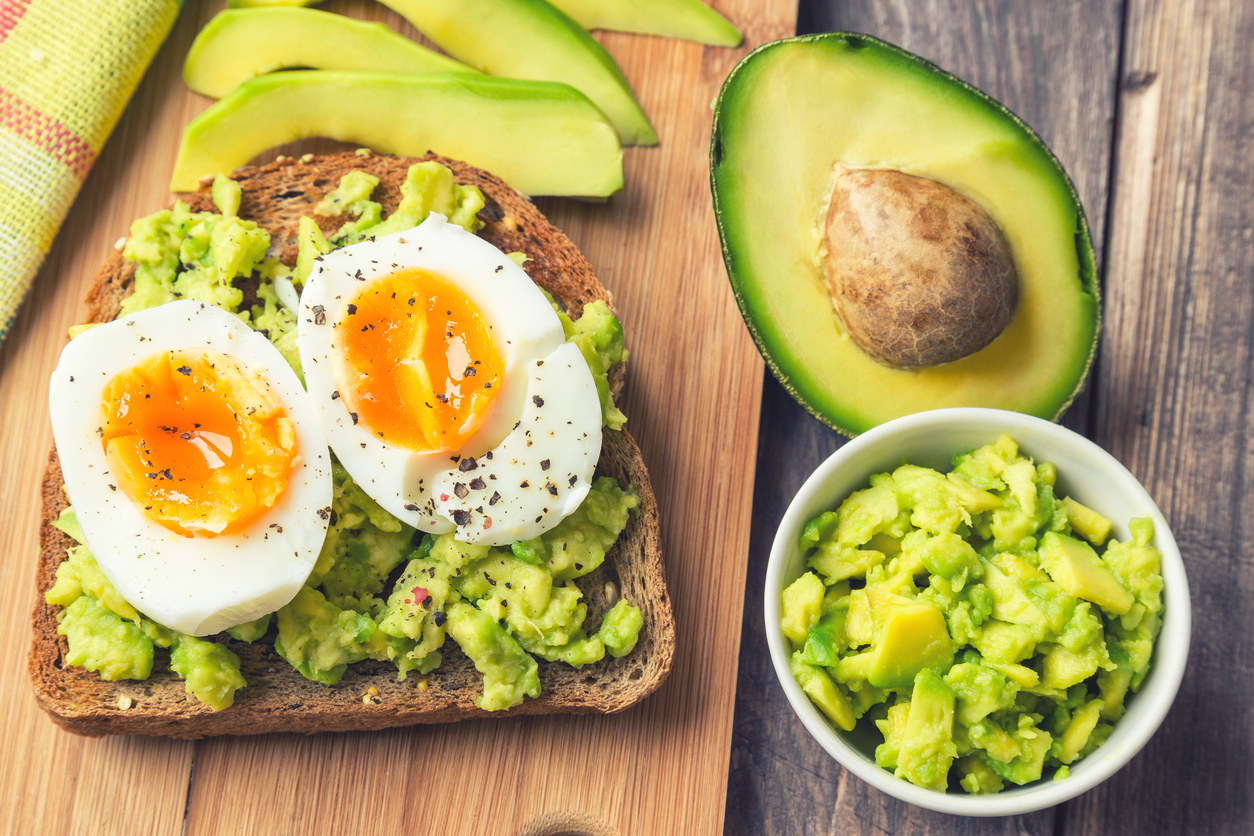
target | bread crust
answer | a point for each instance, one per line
(278, 698)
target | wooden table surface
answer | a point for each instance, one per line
(1150, 108)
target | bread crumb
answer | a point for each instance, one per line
(364, 153)
(611, 593)
(125, 702)
(306, 158)
(120, 244)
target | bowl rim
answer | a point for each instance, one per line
(1152, 701)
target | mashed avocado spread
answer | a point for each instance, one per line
(971, 618)
(378, 590)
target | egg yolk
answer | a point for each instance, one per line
(415, 361)
(198, 441)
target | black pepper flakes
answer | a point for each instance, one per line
(439, 618)
(460, 490)
(496, 497)
(461, 517)
(320, 315)
(477, 484)
(537, 400)
(468, 464)
(352, 309)
(185, 370)
(544, 464)
(353, 415)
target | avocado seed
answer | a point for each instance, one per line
(918, 273)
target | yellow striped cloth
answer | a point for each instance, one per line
(67, 70)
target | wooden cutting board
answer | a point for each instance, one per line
(693, 397)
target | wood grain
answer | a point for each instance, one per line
(1055, 65)
(693, 389)
(1175, 400)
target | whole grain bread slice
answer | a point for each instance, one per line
(278, 698)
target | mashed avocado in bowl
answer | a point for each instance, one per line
(977, 611)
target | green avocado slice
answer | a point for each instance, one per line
(534, 40)
(241, 43)
(793, 109)
(691, 20)
(540, 137)
(688, 19)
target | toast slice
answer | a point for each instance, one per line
(278, 698)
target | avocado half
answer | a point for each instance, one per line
(788, 113)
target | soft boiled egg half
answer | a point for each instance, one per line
(195, 464)
(445, 384)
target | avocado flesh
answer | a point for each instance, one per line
(239, 44)
(530, 39)
(688, 19)
(541, 138)
(792, 110)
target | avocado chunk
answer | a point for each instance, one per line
(910, 636)
(1086, 522)
(796, 111)
(927, 743)
(531, 39)
(540, 137)
(825, 693)
(802, 606)
(688, 19)
(239, 44)
(1077, 568)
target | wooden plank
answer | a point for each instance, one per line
(655, 247)
(1054, 65)
(1175, 398)
(694, 385)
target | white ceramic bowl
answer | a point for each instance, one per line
(1086, 473)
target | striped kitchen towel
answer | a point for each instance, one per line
(67, 70)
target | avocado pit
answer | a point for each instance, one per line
(918, 273)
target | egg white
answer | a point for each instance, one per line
(196, 585)
(416, 487)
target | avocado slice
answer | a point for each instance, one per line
(238, 44)
(531, 39)
(540, 137)
(792, 112)
(688, 19)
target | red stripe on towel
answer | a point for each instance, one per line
(23, 119)
(11, 12)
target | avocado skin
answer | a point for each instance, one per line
(845, 408)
